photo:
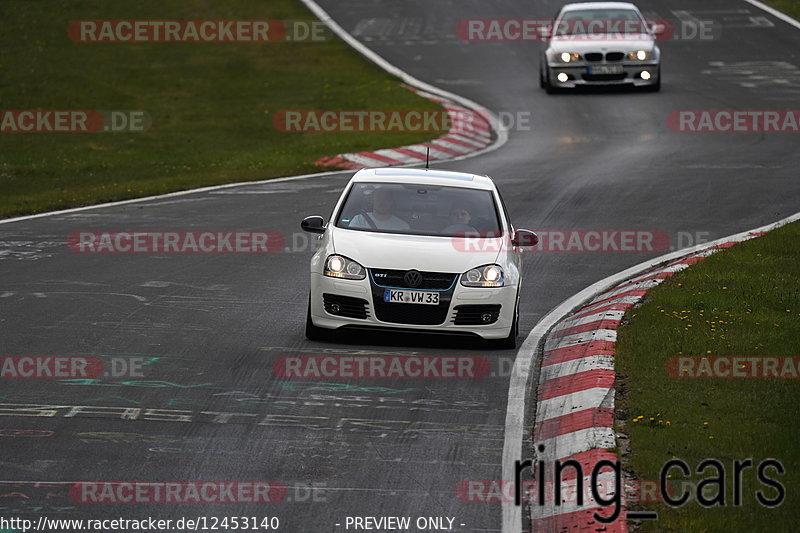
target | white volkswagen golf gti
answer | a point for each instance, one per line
(417, 249)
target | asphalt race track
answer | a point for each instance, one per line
(207, 328)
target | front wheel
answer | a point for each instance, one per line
(544, 81)
(510, 342)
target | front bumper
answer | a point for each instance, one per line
(359, 305)
(580, 75)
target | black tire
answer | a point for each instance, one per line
(548, 87)
(510, 342)
(657, 87)
(544, 81)
(315, 333)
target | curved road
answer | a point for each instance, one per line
(205, 404)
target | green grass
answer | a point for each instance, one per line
(790, 7)
(744, 301)
(211, 104)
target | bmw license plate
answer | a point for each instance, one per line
(606, 69)
(410, 297)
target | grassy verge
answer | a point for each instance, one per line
(790, 7)
(212, 104)
(744, 301)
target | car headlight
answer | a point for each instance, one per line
(339, 266)
(567, 57)
(483, 276)
(640, 55)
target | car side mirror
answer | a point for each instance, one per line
(524, 238)
(657, 29)
(313, 224)
(545, 32)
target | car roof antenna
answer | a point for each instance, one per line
(428, 158)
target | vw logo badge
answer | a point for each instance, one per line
(413, 278)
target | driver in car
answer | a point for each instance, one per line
(381, 216)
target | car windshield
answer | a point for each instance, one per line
(420, 210)
(600, 22)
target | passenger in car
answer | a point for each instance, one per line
(460, 218)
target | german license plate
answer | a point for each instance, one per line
(606, 69)
(410, 297)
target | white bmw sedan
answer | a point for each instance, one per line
(417, 249)
(601, 43)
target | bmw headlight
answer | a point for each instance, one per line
(640, 55)
(483, 276)
(339, 266)
(567, 57)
